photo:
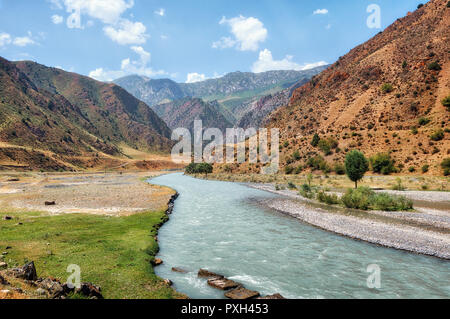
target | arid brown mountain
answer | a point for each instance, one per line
(51, 119)
(385, 95)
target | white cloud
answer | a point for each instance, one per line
(267, 63)
(128, 66)
(247, 33)
(127, 32)
(321, 11)
(23, 41)
(195, 77)
(5, 39)
(57, 19)
(109, 12)
(161, 12)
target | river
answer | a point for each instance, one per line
(219, 226)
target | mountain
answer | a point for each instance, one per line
(385, 95)
(234, 91)
(51, 119)
(183, 113)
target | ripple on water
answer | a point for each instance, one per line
(215, 226)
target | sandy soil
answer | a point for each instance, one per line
(112, 194)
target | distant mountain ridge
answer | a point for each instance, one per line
(159, 91)
(52, 119)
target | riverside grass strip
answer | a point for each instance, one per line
(113, 252)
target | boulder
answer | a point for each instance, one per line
(90, 290)
(208, 274)
(179, 270)
(27, 272)
(50, 203)
(3, 281)
(3, 265)
(222, 283)
(274, 296)
(168, 282)
(41, 292)
(241, 293)
(52, 286)
(7, 218)
(156, 262)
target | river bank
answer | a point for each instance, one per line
(114, 248)
(425, 231)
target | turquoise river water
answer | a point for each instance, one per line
(217, 226)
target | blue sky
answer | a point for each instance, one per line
(187, 40)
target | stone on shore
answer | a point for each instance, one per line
(168, 282)
(48, 203)
(241, 293)
(90, 290)
(156, 262)
(54, 287)
(222, 283)
(274, 296)
(208, 274)
(27, 272)
(3, 265)
(179, 270)
(7, 218)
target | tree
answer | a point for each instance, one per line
(315, 141)
(356, 165)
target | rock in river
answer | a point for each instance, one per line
(241, 293)
(208, 274)
(180, 270)
(223, 283)
(274, 296)
(156, 262)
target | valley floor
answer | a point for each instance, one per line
(105, 223)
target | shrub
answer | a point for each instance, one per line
(387, 88)
(330, 199)
(420, 6)
(296, 156)
(199, 168)
(448, 4)
(435, 66)
(291, 185)
(398, 186)
(325, 147)
(446, 102)
(356, 165)
(306, 191)
(339, 169)
(424, 121)
(414, 130)
(446, 166)
(425, 168)
(364, 198)
(438, 135)
(411, 169)
(382, 163)
(288, 170)
(315, 141)
(316, 162)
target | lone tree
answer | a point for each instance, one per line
(315, 141)
(356, 166)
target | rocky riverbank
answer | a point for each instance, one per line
(420, 232)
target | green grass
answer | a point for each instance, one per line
(113, 252)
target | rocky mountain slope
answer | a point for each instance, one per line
(183, 113)
(235, 92)
(386, 95)
(51, 119)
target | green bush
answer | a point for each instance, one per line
(299, 169)
(424, 121)
(315, 141)
(296, 156)
(411, 169)
(438, 135)
(398, 185)
(325, 147)
(446, 102)
(288, 170)
(382, 163)
(425, 168)
(446, 166)
(435, 66)
(330, 199)
(339, 169)
(365, 199)
(199, 168)
(306, 191)
(291, 185)
(316, 162)
(387, 88)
